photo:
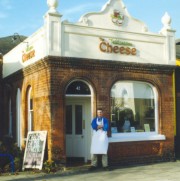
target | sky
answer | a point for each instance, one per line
(26, 16)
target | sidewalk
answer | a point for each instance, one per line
(168, 171)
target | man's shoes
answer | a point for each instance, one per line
(92, 168)
(106, 168)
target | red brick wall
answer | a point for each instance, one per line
(177, 85)
(49, 78)
(38, 77)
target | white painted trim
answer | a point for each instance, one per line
(127, 137)
(156, 108)
(109, 33)
(29, 110)
(18, 118)
(10, 118)
(88, 130)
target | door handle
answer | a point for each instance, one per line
(82, 136)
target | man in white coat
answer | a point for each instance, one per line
(99, 143)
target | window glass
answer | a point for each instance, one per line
(31, 104)
(78, 119)
(30, 117)
(78, 87)
(132, 107)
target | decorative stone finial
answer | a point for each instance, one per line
(166, 21)
(53, 4)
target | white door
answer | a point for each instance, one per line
(75, 130)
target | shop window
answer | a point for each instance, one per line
(133, 109)
(78, 87)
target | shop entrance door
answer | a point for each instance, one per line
(75, 130)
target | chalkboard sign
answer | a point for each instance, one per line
(34, 151)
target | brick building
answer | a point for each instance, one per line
(1, 64)
(177, 85)
(107, 59)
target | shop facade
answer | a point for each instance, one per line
(1, 65)
(107, 60)
(177, 85)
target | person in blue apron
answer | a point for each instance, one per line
(99, 142)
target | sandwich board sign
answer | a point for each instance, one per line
(34, 151)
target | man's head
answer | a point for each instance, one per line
(99, 112)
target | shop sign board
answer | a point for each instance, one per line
(35, 148)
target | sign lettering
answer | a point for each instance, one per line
(34, 151)
(27, 56)
(108, 48)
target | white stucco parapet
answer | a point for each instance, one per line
(31, 52)
(111, 34)
(114, 15)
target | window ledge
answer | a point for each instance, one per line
(134, 137)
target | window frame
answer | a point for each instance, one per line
(10, 128)
(140, 136)
(29, 110)
(18, 118)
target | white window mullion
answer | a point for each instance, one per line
(156, 110)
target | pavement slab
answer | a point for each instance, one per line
(166, 171)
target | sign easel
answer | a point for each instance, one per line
(34, 151)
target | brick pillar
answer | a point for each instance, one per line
(57, 120)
